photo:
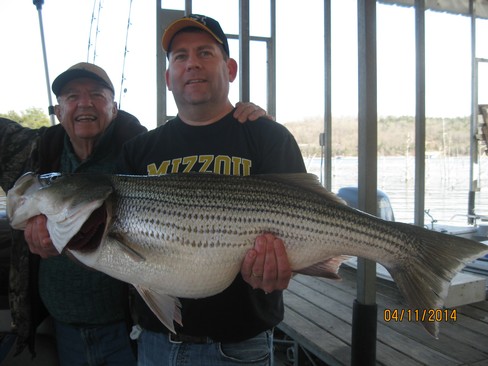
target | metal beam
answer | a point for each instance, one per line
(326, 137)
(161, 111)
(271, 69)
(164, 18)
(244, 62)
(363, 350)
(420, 113)
(473, 144)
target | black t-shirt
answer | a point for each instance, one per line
(224, 147)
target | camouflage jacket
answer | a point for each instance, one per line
(39, 150)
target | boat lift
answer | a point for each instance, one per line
(479, 133)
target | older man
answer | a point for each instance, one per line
(90, 309)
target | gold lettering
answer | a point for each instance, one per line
(189, 162)
(246, 166)
(222, 165)
(236, 165)
(163, 168)
(206, 160)
(176, 165)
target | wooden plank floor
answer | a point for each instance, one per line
(318, 315)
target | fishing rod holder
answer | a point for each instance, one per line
(38, 3)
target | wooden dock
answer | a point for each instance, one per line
(318, 316)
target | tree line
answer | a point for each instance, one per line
(31, 117)
(396, 136)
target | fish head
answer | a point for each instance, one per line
(67, 201)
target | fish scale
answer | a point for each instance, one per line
(185, 235)
(258, 205)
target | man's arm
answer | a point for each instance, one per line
(16, 145)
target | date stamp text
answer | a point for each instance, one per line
(420, 315)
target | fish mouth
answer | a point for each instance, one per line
(91, 233)
(17, 202)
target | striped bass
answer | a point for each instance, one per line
(186, 235)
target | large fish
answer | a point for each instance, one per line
(185, 235)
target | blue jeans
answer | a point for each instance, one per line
(107, 345)
(156, 349)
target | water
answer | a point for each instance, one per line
(2, 200)
(446, 185)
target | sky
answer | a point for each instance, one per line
(81, 30)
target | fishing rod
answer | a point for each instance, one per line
(38, 4)
(122, 89)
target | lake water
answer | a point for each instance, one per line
(2, 200)
(446, 185)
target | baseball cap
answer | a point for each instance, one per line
(81, 70)
(203, 22)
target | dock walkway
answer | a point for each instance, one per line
(318, 316)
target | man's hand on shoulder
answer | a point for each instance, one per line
(250, 112)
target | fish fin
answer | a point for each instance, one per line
(326, 269)
(73, 257)
(306, 181)
(424, 279)
(166, 308)
(122, 241)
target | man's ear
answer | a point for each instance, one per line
(166, 76)
(57, 112)
(232, 66)
(115, 110)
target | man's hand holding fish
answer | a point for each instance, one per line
(266, 266)
(38, 239)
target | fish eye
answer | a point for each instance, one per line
(49, 178)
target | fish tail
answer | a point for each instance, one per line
(425, 277)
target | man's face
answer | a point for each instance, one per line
(85, 109)
(197, 72)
